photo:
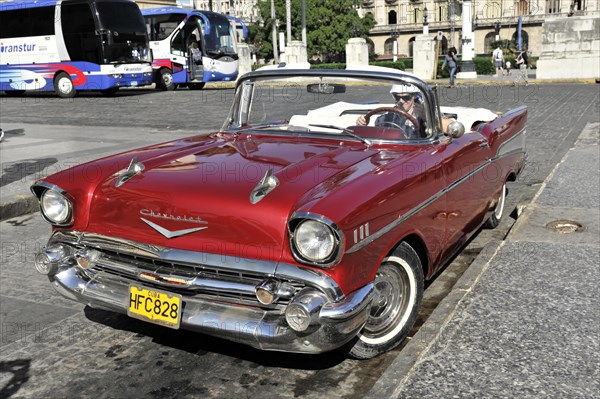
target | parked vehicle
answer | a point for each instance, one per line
(293, 228)
(190, 47)
(70, 45)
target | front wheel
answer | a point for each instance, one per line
(165, 80)
(398, 294)
(496, 217)
(63, 86)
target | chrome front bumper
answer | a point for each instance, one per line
(337, 322)
(218, 293)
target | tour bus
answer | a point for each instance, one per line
(70, 45)
(190, 47)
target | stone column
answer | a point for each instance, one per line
(245, 59)
(570, 48)
(295, 53)
(357, 51)
(423, 57)
(468, 44)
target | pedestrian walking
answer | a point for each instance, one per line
(498, 61)
(522, 62)
(450, 61)
(508, 66)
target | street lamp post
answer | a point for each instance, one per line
(274, 29)
(395, 34)
(497, 30)
(425, 22)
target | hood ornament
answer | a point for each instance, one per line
(264, 187)
(133, 169)
(169, 233)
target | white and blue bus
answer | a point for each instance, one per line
(190, 47)
(70, 45)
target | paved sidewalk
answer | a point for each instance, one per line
(523, 322)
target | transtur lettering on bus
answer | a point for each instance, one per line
(17, 48)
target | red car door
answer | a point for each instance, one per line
(468, 188)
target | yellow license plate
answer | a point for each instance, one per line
(154, 306)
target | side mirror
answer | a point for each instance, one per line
(455, 130)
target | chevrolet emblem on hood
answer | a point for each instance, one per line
(169, 233)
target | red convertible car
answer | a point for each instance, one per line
(309, 222)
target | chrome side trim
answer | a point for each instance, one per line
(507, 148)
(512, 145)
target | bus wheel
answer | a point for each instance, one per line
(63, 86)
(196, 86)
(14, 93)
(165, 80)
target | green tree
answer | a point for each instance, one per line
(329, 25)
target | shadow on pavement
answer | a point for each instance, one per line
(20, 375)
(200, 344)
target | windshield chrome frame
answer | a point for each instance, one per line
(429, 96)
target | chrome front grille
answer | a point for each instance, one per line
(212, 283)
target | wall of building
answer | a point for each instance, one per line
(487, 13)
(570, 48)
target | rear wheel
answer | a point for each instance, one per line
(63, 85)
(196, 86)
(496, 217)
(165, 80)
(398, 294)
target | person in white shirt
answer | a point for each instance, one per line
(498, 60)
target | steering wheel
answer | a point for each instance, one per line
(405, 114)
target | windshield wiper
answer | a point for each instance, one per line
(347, 131)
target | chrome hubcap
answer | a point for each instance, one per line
(391, 300)
(167, 78)
(65, 85)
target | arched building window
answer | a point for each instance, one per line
(388, 46)
(392, 18)
(487, 42)
(411, 41)
(524, 40)
(522, 7)
(552, 6)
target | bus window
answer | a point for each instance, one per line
(163, 26)
(17, 23)
(79, 31)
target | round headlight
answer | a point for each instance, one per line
(314, 241)
(56, 207)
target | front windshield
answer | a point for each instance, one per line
(371, 109)
(220, 40)
(120, 16)
(125, 26)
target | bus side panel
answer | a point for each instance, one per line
(217, 71)
(85, 76)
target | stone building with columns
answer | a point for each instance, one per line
(402, 20)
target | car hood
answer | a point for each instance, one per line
(201, 193)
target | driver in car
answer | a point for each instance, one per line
(407, 114)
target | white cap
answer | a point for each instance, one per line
(404, 89)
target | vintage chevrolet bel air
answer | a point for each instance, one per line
(309, 222)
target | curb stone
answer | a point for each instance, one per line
(392, 380)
